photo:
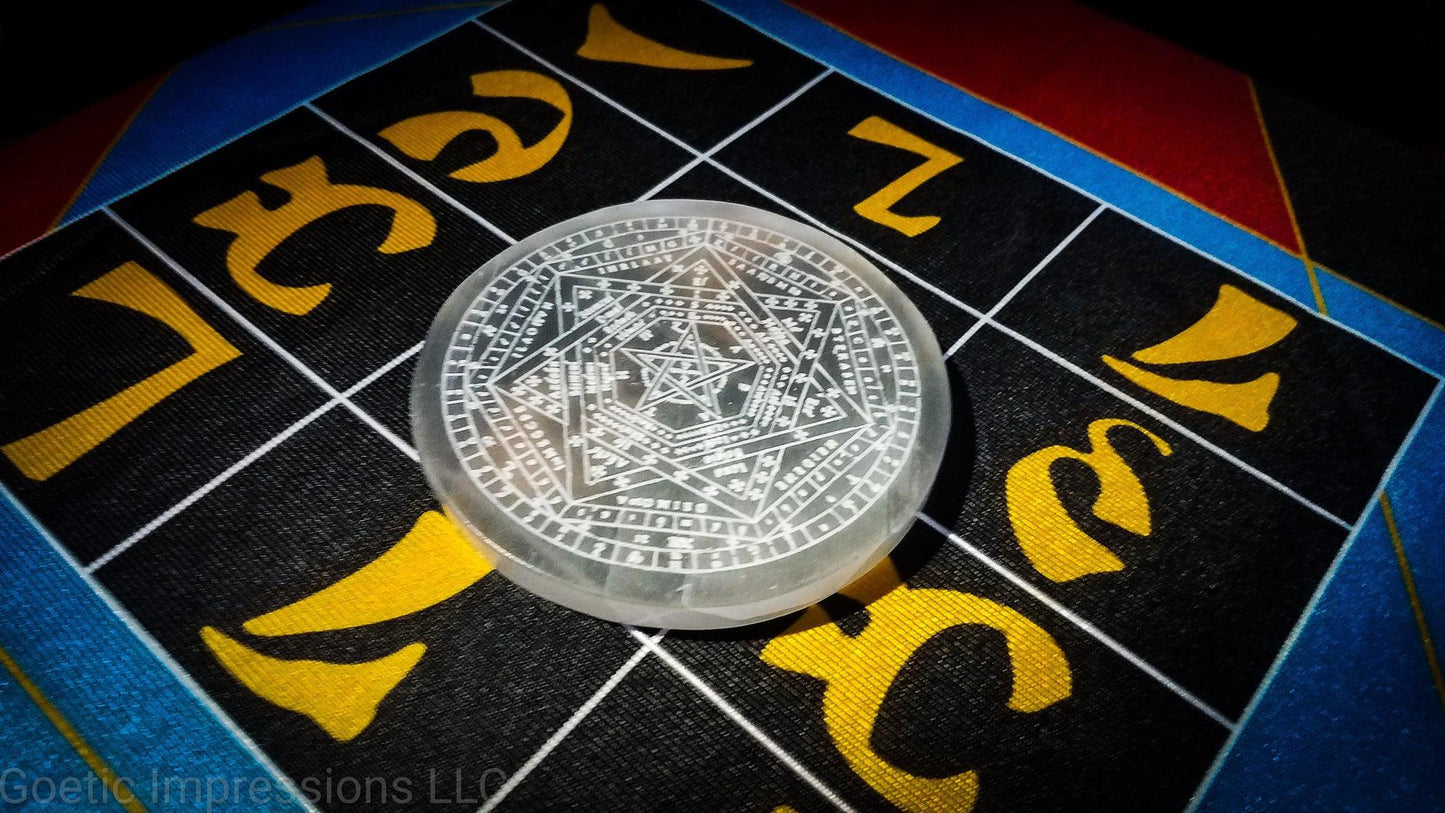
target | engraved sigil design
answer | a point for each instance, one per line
(683, 394)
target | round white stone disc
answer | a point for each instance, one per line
(682, 414)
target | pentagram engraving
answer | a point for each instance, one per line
(683, 394)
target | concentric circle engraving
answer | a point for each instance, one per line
(681, 393)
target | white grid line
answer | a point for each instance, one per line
(864, 248)
(700, 157)
(1078, 621)
(343, 398)
(383, 370)
(211, 485)
(604, 98)
(988, 318)
(566, 728)
(1027, 278)
(235, 468)
(249, 130)
(395, 439)
(261, 335)
(650, 644)
(159, 652)
(985, 317)
(1176, 426)
(1090, 195)
(1324, 317)
(707, 158)
(743, 722)
(1309, 608)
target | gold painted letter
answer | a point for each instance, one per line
(259, 230)
(1237, 325)
(1052, 540)
(609, 41)
(423, 137)
(340, 697)
(877, 207)
(429, 565)
(860, 670)
(40, 455)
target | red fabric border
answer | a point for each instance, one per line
(43, 172)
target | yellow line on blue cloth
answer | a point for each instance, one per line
(1415, 606)
(118, 790)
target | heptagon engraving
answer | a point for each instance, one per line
(681, 414)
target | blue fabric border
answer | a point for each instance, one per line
(330, 11)
(122, 700)
(1416, 495)
(47, 754)
(1352, 720)
(242, 84)
(1388, 324)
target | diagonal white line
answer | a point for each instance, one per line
(190, 499)
(235, 468)
(344, 397)
(382, 370)
(1080, 622)
(1029, 277)
(566, 728)
(1309, 609)
(861, 247)
(1307, 309)
(747, 725)
(405, 447)
(1171, 423)
(216, 300)
(1047, 353)
(707, 157)
(395, 440)
(253, 128)
(1400, 453)
(604, 98)
(787, 100)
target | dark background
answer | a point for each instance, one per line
(1375, 64)
(58, 56)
